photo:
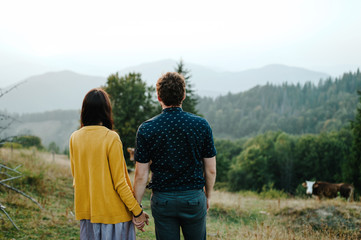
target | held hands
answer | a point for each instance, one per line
(140, 221)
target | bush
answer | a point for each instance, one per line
(270, 193)
(28, 141)
(12, 145)
(221, 186)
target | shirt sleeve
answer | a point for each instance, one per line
(118, 170)
(141, 153)
(71, 158)
(209, 149)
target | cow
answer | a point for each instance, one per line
(131, 153)
(329, 190)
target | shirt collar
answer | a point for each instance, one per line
(173, 109)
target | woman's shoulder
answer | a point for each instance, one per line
(76, 132)
(113, 135)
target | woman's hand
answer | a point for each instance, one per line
(140, 221)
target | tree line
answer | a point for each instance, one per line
(284, 160)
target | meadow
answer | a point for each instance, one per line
(242, 215)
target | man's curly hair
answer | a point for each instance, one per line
(171, 88)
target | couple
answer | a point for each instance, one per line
(175, 145)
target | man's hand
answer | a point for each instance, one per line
(208, 204)
(210, 177)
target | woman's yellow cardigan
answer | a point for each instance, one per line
(102, 189)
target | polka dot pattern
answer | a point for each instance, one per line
(176, 142)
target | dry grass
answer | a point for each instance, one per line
(236, 216)
(232, 215)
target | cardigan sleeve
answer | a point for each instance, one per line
(119, 173)
(71, 158)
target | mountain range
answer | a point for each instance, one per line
(65, 89)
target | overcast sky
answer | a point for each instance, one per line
(234, 35)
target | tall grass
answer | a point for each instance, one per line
(51, 185)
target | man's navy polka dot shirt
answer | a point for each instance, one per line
(176, 142)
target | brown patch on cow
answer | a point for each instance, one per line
(324, 189)
(331, 190)
(346, 191)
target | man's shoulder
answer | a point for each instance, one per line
(149, 122)
(197, 118)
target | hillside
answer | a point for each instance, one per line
(51, 126)
(244, 215)
(294, 109)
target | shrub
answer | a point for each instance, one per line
(12, 145)
(28, 141)
(269, 192)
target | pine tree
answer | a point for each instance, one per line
(191, 101)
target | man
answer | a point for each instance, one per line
(178, 148)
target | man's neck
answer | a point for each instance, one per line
(164, 106)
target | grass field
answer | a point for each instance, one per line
(245, 215)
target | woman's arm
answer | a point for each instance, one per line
(118, 170)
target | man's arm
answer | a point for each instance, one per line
(210, 176)
(140, 180)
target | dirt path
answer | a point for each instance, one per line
(55, 158)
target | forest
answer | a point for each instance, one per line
(294, 109)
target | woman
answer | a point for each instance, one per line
(103, 195)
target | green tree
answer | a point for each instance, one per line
(284, 148)
(249, 171)
(227, 150)
(256, 165)
(191, 101)
(132, 101)
(354, 163)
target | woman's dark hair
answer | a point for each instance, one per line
(171, 88)
(96, 109)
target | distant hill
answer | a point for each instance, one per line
(15, 72)
(50, 91)
(208, 82)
